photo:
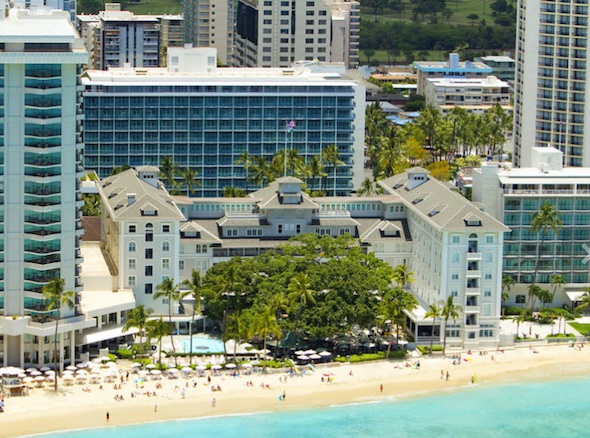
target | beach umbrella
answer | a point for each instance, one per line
(50, 377)
(49, 373)
(186, 369)
(143, 373)
(43, 369)
(30, 370)
(82, 372)
(39, 379)
(216, 367)
(325, 354)
(155, 372)
(201, 367)
(151, 366)
(97, 360)
(68, 372)
(71, 368)
(302, 357)
(28, 379)
(135, 365)
(105, 359)
(35, 373)
(246, 365)
(308, 352)
(231, 365)
(315, 356)
(299, 353)
(83, 364)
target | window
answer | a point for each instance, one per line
(490, 239)
(166, 263)
(181, 265)
(231, 232)
(488, 274)
(149, 271)
(165, 228)
(455, 275)
(280, 228)
(131, 281)
(489, 257)
(487, 310)
(149, 233)
(298, 228)
(165, 246)
(520, 299)
(454, 292)
(131, 263)
(149, 288)
(132, 246)
(487, 292)
(456, 257)
(132, 228)
(455, 239)
(149, 253)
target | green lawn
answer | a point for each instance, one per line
(155, 7)
(583, 329)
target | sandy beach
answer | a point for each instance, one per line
(45, 410)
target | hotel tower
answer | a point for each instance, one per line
(551, 80)
(41, 115)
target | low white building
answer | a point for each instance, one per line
(474, 95)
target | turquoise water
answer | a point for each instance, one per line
(551, 409)
(202, 345)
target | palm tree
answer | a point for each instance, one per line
(188, 179)
(584, 300)
(168, 290)
(429, 120)
(196, 290)
(157, 329)
(556, 280)
(402, 275)
(544, 220)
(449, 311)
(390, 155)
(434, 312)
(265, 324)
(56, 297)
(331, 158)
(507, 283)
(138, 318)
(300, 293)
(237, 328)
(316, 170)
(229, 283)
(520, 318)
(246, 159)
(233, 192)
(366, 188)
(393, 304)
(168, 170)
(261, 171)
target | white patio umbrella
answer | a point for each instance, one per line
(143, 373)
(68, 372)
(325, 354)
(155, 372)
(49, 373)
(172, 371)
(231, 365)
(308, 352)
(201, 367)
(246, 365)
(35, 373)
(83, 364)
(105, 359)
(302, 357)
(299, 353)
(39, 379)
(186, 370)
(135, 365)
(50, 377)
(216, 367)
(81, 372)
(315, 357)
(30, 370)
(71, 368)
(43, 369)
(151, 366)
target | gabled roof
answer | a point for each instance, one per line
(194, 227)
(438, 203)
(114, 192)
(270, 196)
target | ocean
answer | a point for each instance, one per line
(532, 410)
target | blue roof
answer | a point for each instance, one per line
(398, 121)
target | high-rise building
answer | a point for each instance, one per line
(210, 23)
(277, 33)
(41, 155)
(205, 118)
(115, 38)
(551, 80)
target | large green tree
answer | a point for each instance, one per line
(434, 312)
(195, 289)
(169, 291)
(158, 329)
(138, 318)
(450, 310)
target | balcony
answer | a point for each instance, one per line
(52, 258)
(473, 274)
(42, 220)
(473, 291)
(474, 256)
(471, 309)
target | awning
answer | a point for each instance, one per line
(575, 296)
(91, 337)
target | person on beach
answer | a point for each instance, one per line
(442, 374)
(448, 376)
(156, 407)
(213, 402)
(108, 416)
(284, 395)
(381, 388)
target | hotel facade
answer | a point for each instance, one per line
(206, 117)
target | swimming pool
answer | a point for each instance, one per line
(202, 344)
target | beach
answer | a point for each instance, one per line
(45, 410)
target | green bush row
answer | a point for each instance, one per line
(355, 358)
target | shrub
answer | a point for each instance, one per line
(355, 358)
(112, 357)
(561, 335)
(124, 354)
(512, 310)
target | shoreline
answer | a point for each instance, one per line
(71, 409)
